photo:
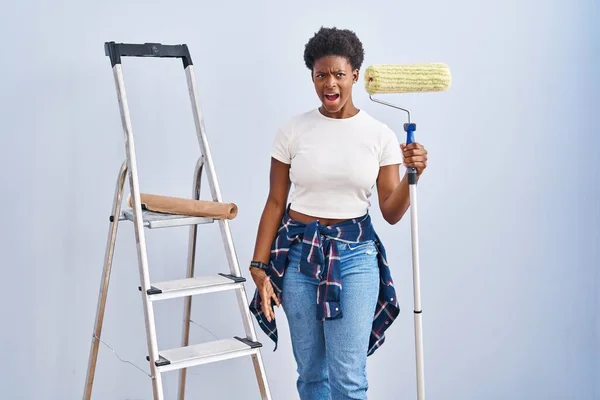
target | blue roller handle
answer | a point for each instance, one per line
(410, 132)
(410, 138)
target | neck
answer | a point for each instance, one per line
(347, 111)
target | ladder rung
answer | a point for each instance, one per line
(204, 353)
(153, 220)
(194, 286)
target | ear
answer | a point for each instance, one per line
(355, 75)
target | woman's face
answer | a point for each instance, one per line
(333, 78)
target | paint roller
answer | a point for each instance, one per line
(410, 78)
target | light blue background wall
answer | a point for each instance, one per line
(509, 204)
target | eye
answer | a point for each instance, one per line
(341, 74)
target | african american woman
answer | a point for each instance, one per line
(318, 255)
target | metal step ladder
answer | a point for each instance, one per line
(188, 355)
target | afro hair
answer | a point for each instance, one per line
(334, 42)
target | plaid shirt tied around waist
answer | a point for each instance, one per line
(320, 260)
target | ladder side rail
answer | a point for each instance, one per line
(134, 184)
(106, 272)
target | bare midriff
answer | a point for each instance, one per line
(306, 219)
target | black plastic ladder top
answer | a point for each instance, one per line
(117, 50)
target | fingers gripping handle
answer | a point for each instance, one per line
(410, 128)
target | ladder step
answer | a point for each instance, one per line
(204, 353)
(154, 220)
(194, 286)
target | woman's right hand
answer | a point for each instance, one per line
(267, 294)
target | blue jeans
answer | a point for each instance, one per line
(331, 356)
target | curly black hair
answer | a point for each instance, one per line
(334, 42)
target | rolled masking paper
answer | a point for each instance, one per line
(189, 207)
(407, 78)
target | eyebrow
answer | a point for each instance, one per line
(318, 71)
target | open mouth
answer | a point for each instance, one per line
(332, 97)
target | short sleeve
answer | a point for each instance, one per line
(390, 151)
(281, 146)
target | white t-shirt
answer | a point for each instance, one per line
(334, 163)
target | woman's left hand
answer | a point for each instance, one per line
(415, 156)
